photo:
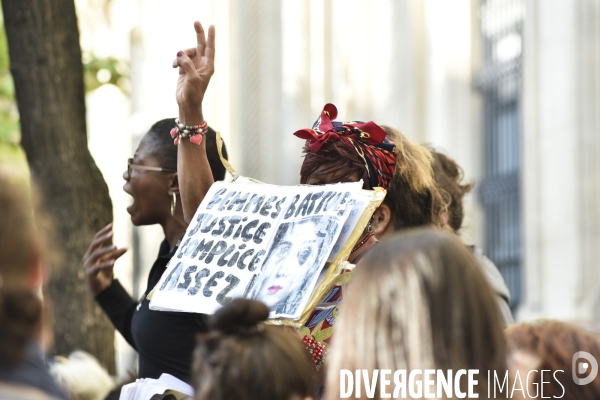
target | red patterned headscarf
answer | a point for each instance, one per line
(366, 138)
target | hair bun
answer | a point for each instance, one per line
(239, 316)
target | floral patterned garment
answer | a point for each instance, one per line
(321, 321)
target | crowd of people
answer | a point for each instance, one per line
(416, 299)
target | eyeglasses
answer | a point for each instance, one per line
(131, 165)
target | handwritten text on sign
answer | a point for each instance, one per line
(236, 228)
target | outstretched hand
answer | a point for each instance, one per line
(196, 66)
(99, 261)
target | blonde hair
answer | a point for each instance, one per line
(413, 197)
(414, 163)
(20, 243)
(21, 250)
(420, 301)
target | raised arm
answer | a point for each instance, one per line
(196, 67)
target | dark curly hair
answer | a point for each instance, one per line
(413, 197)
(449, 178)
(340, 162)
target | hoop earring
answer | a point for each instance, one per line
(173, 204)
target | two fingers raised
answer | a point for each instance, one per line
(204, 48)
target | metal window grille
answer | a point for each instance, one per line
(499, 82)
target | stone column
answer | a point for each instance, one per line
(561, 148)
(255, 86)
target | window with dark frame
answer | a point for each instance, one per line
(499, 82)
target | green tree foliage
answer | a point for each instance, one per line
(102, 71)
(97, 72)
(9, 116)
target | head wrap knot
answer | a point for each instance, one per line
(367, 138)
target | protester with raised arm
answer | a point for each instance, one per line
(334, 152)
(163, 340)
(196, 67)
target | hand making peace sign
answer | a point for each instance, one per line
(196, 66)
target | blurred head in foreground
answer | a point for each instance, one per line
(551, 346)
(21, 268)
(243, 359)
(419, 302)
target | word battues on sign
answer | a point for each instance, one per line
(259, 241)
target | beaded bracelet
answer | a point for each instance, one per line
(194, 132)
(317, 350)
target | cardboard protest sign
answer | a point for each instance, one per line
(361, 210)
(292, 265)
(259, 241)
(358, 207)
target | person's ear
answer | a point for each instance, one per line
(445, 218)
(174, 185)
(382, 222)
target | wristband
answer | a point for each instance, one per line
(194, 132)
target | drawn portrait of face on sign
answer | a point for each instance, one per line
(299, 249)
